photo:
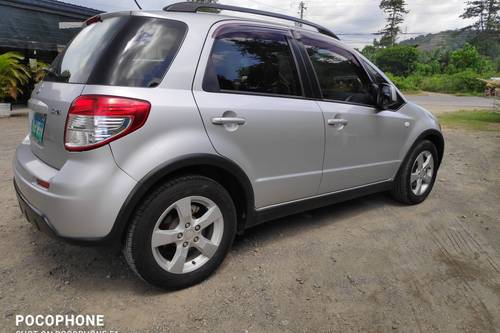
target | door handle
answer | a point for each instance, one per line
(228, 120)
(334, 122)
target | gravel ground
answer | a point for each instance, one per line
(366, 265)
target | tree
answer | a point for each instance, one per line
(485, 12)
(468, 58)
(486, 25)
(395, 11)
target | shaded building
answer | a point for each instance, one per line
(32, 27)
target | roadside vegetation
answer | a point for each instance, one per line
(15, 75)
(453, 72)
(444, 67)
(483, 120)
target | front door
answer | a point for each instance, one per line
(362, 145)
(362, 142)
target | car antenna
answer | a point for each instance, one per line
(137, 4)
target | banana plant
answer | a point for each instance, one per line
(13, 74)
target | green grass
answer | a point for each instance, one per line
(482, 120)
(472, 93)
(423, 92)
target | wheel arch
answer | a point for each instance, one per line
(434, 136)
(216, 167)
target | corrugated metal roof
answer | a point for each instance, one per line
(34, 24)
(60, 7)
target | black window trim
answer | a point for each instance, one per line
(364, 65)
(301, 71)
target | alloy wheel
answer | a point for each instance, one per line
(422, 173)
(187, 234)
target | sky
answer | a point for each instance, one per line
(345, 17)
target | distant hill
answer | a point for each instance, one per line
(450, 40)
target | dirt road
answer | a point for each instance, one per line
(368, 265)
(439, 103)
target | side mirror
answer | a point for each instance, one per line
(387, 96)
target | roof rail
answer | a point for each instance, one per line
(193, 7)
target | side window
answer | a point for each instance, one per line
(340, 76)
(255, 62)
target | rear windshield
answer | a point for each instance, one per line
(129, 51)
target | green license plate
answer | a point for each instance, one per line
(38, 126)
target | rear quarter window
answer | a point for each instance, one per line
(132, 51)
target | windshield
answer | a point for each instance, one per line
(120, 51)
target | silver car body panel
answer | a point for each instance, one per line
(365, 150)
(173, 129)
(280, 146)
(54, 100)
(423, 120)
(84, 196)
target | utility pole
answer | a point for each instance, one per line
(302, 8)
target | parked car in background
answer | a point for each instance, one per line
(169, 132)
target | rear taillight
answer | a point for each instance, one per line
(95, 120)
(43, 183)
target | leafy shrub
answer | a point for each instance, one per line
(403, 83)
(461, 82)
(399, 60)
(439, 71)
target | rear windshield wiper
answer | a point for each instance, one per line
(51, 71)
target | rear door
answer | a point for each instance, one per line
(249, 92)
(362, 142)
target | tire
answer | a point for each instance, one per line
(178, 214)
(406, 183)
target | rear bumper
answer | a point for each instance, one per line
(34, 216)
(83, 200)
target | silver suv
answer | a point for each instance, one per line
(169, 132)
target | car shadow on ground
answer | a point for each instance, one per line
(100, 268)
(293, 225)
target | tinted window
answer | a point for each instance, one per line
(339, 74)
(252, 62)
(120, 51)
(374, 74)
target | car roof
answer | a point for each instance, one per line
(211, 18)
(207, 19)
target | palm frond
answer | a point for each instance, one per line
(13, 73)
